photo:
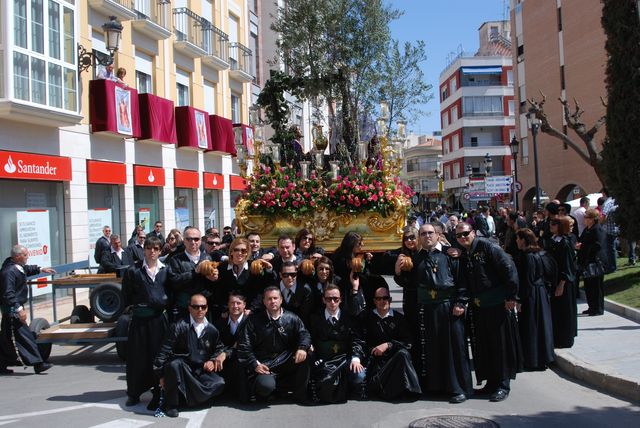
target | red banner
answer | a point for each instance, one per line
(148, 176)
(157, 119)
(193, 128)
(222, 135)
(186, 179)
(106, 172)
(237, 183)
(113, 108)
(213, 181)
(28, 166)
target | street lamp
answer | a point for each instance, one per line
(112, 31)
(488, 163)
(514, 146)
(534, 124)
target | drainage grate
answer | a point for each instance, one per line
(453, 421)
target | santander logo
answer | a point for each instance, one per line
(151, 178)
(215, 180)
(10, 167)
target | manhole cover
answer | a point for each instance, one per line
(453, 421)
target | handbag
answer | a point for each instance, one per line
(593, 270)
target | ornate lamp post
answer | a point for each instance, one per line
(514, 146)
(112, 31)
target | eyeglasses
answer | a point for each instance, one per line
(409, 238)
(195, 239)
(171, 238)
(240, 250)
(152, 248)
(463, 234)
(427, 232)
(199, 307)
(332, 299)
(378, 298)
(307, 238)
(289, 274)
(212, 243)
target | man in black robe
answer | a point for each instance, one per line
(102, 244)
(286, 253)
(230, 327)
(297, 296)
(492, 281)
(437, 305)
(136, 250)
(338, 352)
(182, 275)
(144, 289)
(115, 258)
(190, 359)
(14, 293)
(157, 232)
(390, 372)
(273, 347)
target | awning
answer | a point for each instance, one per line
(481, 70)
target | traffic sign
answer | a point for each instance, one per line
(466, 196)
(518, 186)
(498, 184)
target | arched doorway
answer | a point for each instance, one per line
(529, 201)
(570, 192)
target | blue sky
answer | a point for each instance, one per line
(443, 25)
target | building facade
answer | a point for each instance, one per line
(477, 111)
(558, 51)
(77, 153)
(422, 170)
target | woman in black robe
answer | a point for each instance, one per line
(564, 311)
(592, 249)
(534, 319)
(351, 246)
(409, 248)
(306, 245)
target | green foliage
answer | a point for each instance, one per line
(622, 147)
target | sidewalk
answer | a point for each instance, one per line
(606, 353)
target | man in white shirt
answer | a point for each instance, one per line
(297, 298)
(579, 214)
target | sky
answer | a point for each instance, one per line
(443, 25)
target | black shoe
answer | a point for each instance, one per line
(155, 401)
(4, 370)
(172, 412)
(42, 367)
(499, 395)
(458, 398)
(586, 312)
(595, 314)
(132, 401)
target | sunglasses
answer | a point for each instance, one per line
(427, 232)
(463, 234)
(332, 299)
(153, 248)
(409, 238)
(240, 250)
(289, 274)
(212, 243)
(307, 238)
(199, 307)
(192, 239)
(378, 298)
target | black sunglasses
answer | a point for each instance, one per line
(192, 239)
(463, 234)
(332, 299)
(199, 307)
(289, 274)
(409, 238)
(382, 298)
(212, 243)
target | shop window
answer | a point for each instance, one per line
(212, 208)
(184, 208)
(147, 207)
(103, 201)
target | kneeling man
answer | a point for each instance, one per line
(190, 357)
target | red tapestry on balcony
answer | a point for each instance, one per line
(247, 138)
(223, 140)
(157, 119)
(192, 126)
(113, 108)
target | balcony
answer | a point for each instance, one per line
(121, 9)
(217, 46)
(189, 33)
(240, 60)
(153, 18)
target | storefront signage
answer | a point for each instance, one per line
(28, 166)
(98, 218)
(106, 172)
(237, 183)
(186, 179)
(33, 233)
(148, 176)
(213, 181)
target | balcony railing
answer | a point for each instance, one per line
(482, 113)
(154, 11)
(122, 9)
(188, 27)
(216, 41)
(240, 57)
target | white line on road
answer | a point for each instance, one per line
(9, 422)
(123, 423)
(195, 418)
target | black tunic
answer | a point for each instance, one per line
(250, 285)
(564, 309)
(492, 278)
(301, 303)
(534, 319)
(431, 291)
(183, 281)
(335, 345)
(593, 250)
(392, 374)
(148, 325)
(181, 362)
(111, 263)
(234, 375)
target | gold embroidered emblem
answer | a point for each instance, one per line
(434, 293)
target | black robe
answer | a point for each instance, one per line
(301, 303)
(234, 375)
(593, 250)
(351, 302)
(250, 285)
(431, 291)
(136, 251)
(183, 281)
(534, 319)
(14, 334)
(147, 327)
(335, 345)
(564, 309)
(111, 263)
(492, 278)
(180, 362)
(391, 374)
(102, 245)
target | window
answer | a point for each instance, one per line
(38, 80)
(454, 84)
(254, 52)
(456, 170)
(37, 26)
(474, 141)
(20, 23)
(54, 30)
(512, 108)
(143, 83)
(445, 119)
(21, 76)
(509, 77)
(444, 93)
(55, 85)
(454, 113)
(209, 96)
(482, 106)
(455, 142)
(235, 108)
(144, 73)
(445, 145)
(182, 87)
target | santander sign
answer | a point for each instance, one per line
(18, 165)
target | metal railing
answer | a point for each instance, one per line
(216, 41)
(154, 11)
(188, 27)
(126, 3)
(240, 57)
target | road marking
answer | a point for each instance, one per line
(45, 412)
(195, 418)
(123, 423)
(9, 422)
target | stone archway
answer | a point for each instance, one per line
(570, 191)
(528, 202)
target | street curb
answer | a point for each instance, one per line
(625, 311)
(595, 376)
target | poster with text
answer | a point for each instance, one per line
(144, 217)
(98, 218)
(33, 232)
(182, 218)
(123, 111)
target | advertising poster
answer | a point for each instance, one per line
(98, 218)
(123, 111)
(249, 141)
(33, 232)
(201, 128)
(182, 218)
(144, 217)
